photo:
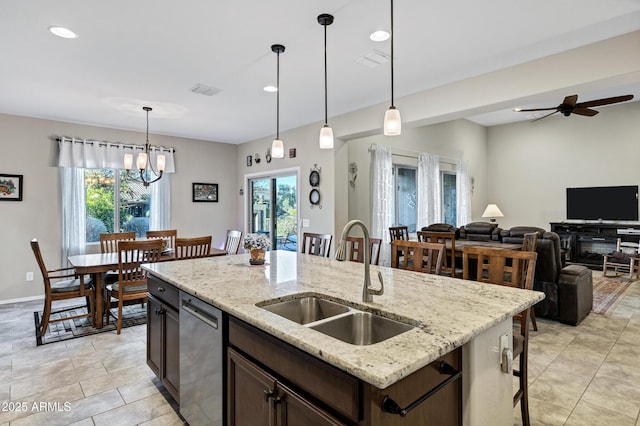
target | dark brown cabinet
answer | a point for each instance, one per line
(257, 398)
(163, 328)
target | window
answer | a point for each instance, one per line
(449, 201)
(115, 203)
(404, 197)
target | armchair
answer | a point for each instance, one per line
(480, 231)
(569, 290)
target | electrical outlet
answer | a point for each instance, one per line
(305, 223)
(29, 276)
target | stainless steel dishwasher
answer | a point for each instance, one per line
(201, 369)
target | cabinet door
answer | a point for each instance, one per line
(251, 392)
(154, 335)
(170, 374)
(294, 410)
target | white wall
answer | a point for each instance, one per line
(27, 148)
(308, 154)
(530, 165)
(459, 139)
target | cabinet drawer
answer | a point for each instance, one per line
(337, 390)
(163, 291)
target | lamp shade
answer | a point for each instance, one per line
(326, 137)
(277, 149)
(128, 161)
(392, 122)
(492, 210)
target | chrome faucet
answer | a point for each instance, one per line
(341, 255)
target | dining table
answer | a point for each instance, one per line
(96, 264)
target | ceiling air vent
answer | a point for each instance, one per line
(202, 89)
(373, 59)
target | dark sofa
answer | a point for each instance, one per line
(568, 290)
(480, 231)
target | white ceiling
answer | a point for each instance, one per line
(152, 52)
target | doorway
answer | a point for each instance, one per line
(273, 208)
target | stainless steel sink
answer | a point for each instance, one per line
(361, 328)
(307, 309)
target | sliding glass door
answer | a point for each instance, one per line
(273, 209)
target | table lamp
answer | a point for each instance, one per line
(492, 211)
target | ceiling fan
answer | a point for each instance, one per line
(570, 106)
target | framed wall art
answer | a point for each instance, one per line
(10, 187)
(205, 192)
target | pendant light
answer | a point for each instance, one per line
(392, 120)
(143, 161)
(277, 146)
(326, 133)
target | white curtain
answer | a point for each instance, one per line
(90, 154)
(73, 212)
(160, 204)
(463, 193)
(382, 196)
(429, 192)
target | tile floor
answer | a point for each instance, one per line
(585, 375)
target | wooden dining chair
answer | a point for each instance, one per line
(62, 284)
(449, 240)
(398, 233)
(232, 242)
(316, 244)
(132, 280)
(356, 249)
(191, 248)
(109, 244)
(503, 267)
(530, 243)
(168, 235)
(109, 241)
(417, 256)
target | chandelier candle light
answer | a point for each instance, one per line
(277, 146)
(143, 161)
(326, 133)
(392, 120)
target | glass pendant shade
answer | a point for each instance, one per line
(277, 149)
(160, 162)
(141, 161)
(326, 137)
(128, 161)
(392, 122)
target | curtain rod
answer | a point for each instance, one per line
(452, 160)
(104, 143)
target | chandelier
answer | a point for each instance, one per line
(147, 173)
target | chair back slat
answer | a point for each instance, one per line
(168, 235)
(398, 233)
(417, 256)
(190, 248)
(131, 255)
(356, 249)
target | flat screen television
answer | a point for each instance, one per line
(603, 203)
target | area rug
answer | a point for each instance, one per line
(80, 327)
(607, 292)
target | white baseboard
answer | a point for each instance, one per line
(22, 299)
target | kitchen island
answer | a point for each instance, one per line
(448, 314)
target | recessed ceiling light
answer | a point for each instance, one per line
(379, 35)
(63, 32)
(270, 89)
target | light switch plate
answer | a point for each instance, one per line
(305, 223)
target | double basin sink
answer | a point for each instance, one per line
(336, 319)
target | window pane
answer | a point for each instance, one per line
(134, 206)
(99, 185)
(406, 198)
(449, 198)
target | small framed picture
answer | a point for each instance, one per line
(249, 161)
(10, 187)
(205, 192)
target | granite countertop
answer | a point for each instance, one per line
(448, 312)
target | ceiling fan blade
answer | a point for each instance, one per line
(545, 116)
(585, 111)
(570, 100)
(535, 109)
(604, 101)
